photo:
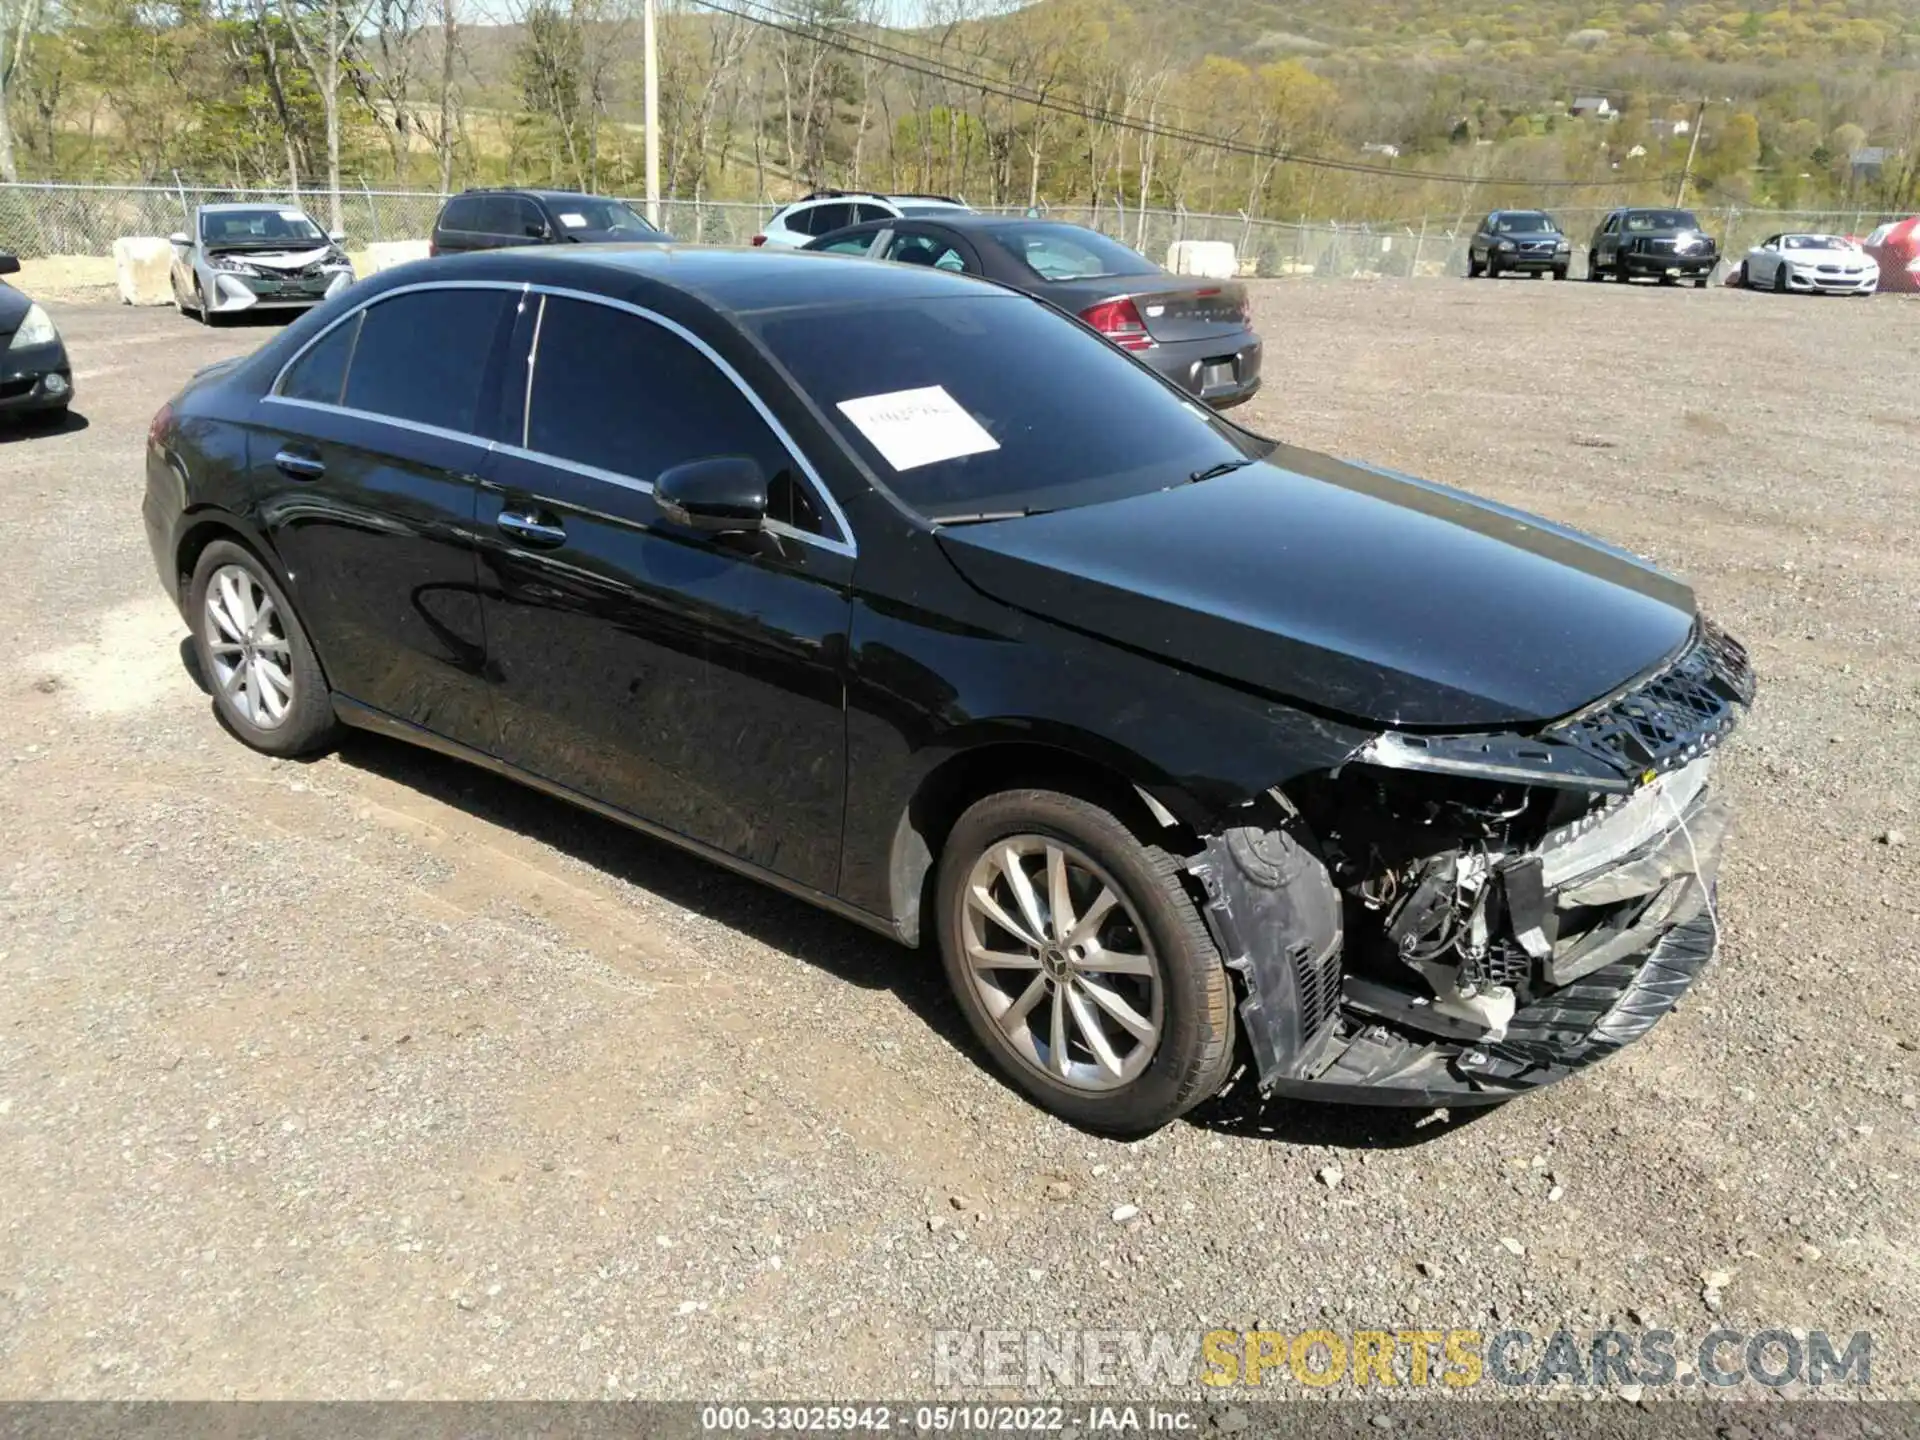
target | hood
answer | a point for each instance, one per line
(277, 258)
(1347, 589)
(13, 308)
(614, 237)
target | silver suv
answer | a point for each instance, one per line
(825, 211)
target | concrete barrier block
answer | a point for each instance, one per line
(385, 254)
(1213, 259)
(142, 266)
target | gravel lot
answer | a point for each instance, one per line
(376, 1077)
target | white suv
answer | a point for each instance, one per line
(825, 211)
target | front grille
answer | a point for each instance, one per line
(1677, 715)
(1318, 985)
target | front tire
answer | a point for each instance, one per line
(1081, 963)
(1779, 279)
(254, 653)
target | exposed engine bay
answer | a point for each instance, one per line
(1467, 919)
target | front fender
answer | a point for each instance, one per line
(923, 691)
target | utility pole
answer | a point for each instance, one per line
(653, 115)
(1693, 148)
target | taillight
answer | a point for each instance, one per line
(758, 240)
(1119, 320)
(162, 418)
(433, 250)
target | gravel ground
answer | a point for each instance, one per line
(376, 1077)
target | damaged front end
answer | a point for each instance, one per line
(1451, 919)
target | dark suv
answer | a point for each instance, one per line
(495, 219)
(1666, 244)
(1524, 241)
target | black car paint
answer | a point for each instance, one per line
(1186, 341)
(549, 205)
(801, 714)
(1616, 252)
(1539, 251)
(24, 371)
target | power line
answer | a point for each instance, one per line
(880, 53)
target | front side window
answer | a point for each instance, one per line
(422, 356)
(852, 245)
(1029, 411)
(619, 393)
(529, 221)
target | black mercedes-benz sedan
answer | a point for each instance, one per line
(35, 377)
(1190, 754)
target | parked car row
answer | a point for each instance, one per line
(1669, 244)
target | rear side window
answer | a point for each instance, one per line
(462, 213)
(423, 357)
(619, 393)
(822, 219)
(925, 250)
(321, 374)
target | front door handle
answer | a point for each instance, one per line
(531, 528)
(300, 464)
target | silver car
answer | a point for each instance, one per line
(256, 257)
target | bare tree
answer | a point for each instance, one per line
(444, 141)
(18, 18)
(325, 32)
(386, 80)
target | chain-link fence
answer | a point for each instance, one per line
(39, 220)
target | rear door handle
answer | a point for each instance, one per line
(531, 528)
(300, 464)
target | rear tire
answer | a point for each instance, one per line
(1112, 1079)
(254, 654)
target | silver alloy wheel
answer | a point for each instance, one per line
(252, 658)
(1061, 964)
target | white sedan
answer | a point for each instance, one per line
(1829, 264)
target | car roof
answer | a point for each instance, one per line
(222, 206)
(536, 193)
(737, 280)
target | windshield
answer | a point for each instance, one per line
(262, 225)
(1642, 222)
(1523, 222)
(1067, 252)
(1815, 242)
(587, 212)
(992, 404)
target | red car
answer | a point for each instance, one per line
(1895, 247)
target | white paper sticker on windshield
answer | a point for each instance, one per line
(911, 428)
(291, 215)
(572, 220)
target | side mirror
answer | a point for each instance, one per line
(722, 494)
(178, 237)
(9, 265)
(536, 232)
(338, 237)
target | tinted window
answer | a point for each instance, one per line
(527, 218)
(422, 357)
(462, 213)
(1068, 252)
(852, 245)
(625, 395)
(925, 250)
(864, 213)
(1643, 221)
(321, 373)
(497, 215)
(825, 219)
(1072, 419)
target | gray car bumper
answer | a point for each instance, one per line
(1222, 372)
(228, 294)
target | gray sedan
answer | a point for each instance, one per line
(1198, 333)
(255, 257)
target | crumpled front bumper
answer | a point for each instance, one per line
(229, 294)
